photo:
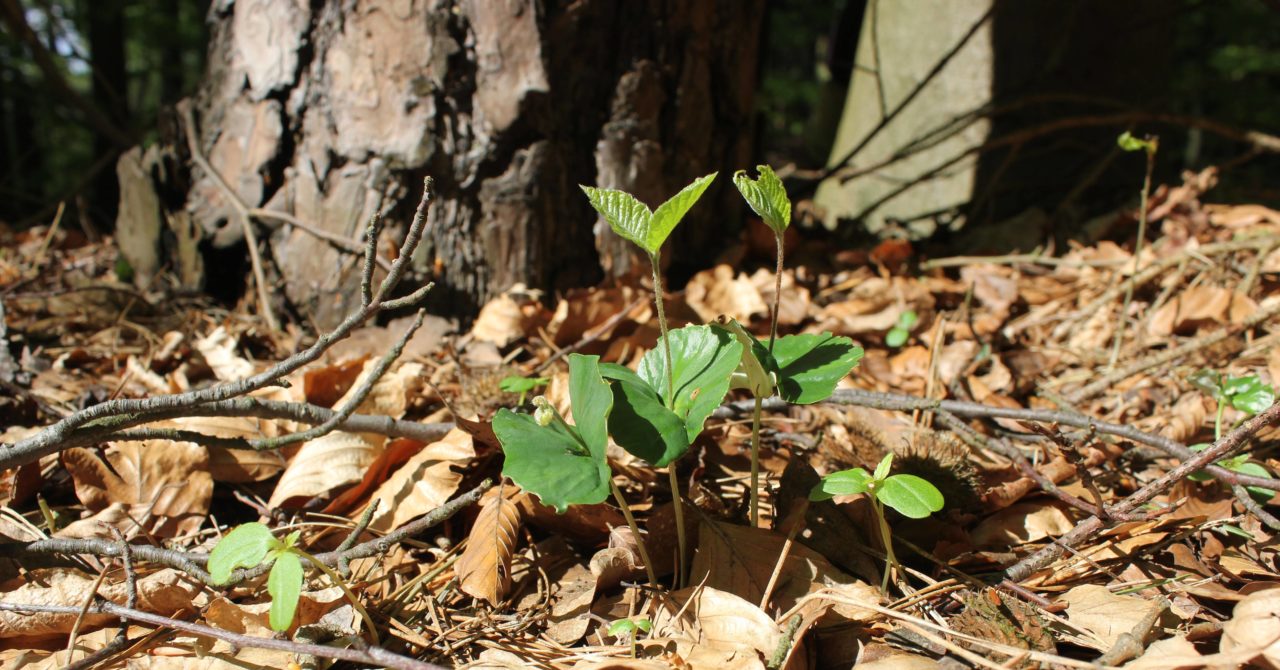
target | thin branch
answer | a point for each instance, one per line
(343, 243)
(366, 654)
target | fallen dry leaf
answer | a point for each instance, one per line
(1254, 628)
(326, 464)
(219, 351)
(423, 483)
(719, 290)
(485, 565)
(1107, 615)
(715, 629)
(165, 486)
(166, 592)
(1023, 522)
(1200, 306)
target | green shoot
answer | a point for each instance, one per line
(1128, 142)
(627, 628)
(911, 496)
(768, 198)
(897, 336)
(522, 385)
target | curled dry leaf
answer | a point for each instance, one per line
(1200, 306)
(391, 394)
(165, 592)
(719, 290)
(1022, 523)
(585, 311)
(327, 463)
(423, 483)
(1254, 628)
(485, 565)
(219, 351)
(1107, 615)
(796, 300)
(164, 485)
(326, 385)
(716, 629)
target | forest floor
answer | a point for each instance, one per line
(1071, 536)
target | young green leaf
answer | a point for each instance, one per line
(842, 483)
(703, 360)
(767, 197)
(1249, 394)
(285, 586)
(244, 547)
(1207, 381)
(912, 496)
(622, 627)
(1128, 142)
(907, 319)
(563, 465)
(810, 365)
(639, 422)
(632, 219)
(522, 385)
(1252, 469)
(882, 470)
(896, 337)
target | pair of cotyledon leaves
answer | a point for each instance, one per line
(649, 229)
(912, 496)
(566, 464)
(252, 544)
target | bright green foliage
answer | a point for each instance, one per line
(522, 385)
(767, 197)
(1130, 143)
(912, 496)
(252, 544)
(562, 464)
(703, 360)
(1248, 394)
(285, 586)
(244, 547)
(898, 335)
(633, 220)
(1239, 463)
(629, 626)
(810, 365)
(640, 422)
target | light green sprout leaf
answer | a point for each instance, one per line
(563, 465)
(1249, 394)
(640, 422)
(897, 336)
(766, 196)
(632, 219)
(912, 496)
(703, 360)
(522, 385)
(285, 586)
(882, 470)
(843, 483)
(1128, 142)
(757, 370)
(244, 547)
(810, 365)
(628, 627)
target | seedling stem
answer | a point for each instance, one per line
(635, 530)
(655, 260)
(777, 293)
(755, 461)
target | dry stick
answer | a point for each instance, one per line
(133, 412)
(343, 243)
(242, 210)
(191, 562)
(1087, 528)
(369, 655)
(1106, 381)
(1137, 252)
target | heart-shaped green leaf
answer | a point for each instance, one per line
(285, 586)
(703, 360)
(843, 483)
(1249, 394)
(912, 496)
(563, 465)
(810, 365)
(244, 547)
(767, 197)
(639, 422)
(632, 219)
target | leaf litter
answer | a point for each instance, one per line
(1189, 579)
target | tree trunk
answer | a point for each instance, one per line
(333, 111)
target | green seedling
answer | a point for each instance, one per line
(911, 496)
(628, 627)
(566, 464)
(897, 336)
(522, 385)
(649, 229)
(1248, 394)
(1149, 145)
(1239, 463)
(253, 544)
(803, 369)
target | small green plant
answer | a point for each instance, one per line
(1248, 395)
(911, 496)
(253, 544)
(628, 627)
(1149, 146)
(522, 385)
(897, 336)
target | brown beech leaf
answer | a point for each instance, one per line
(1105, 614)
(324, 386)
(423, 483)
(391, 394)
(219, 351)
(165, 592)
(719, 291)
(1199, 306)
(715, 629)
(485, 565)
(327, 463)
(1254, 628)
(164, 485)
(237, 466)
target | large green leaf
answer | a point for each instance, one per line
(563, 465)
(842, 483)
(767, 197)
(1249, 394)
(912, 496)
(639, 422)
(810, 365)
(632, 219)
(244, 547)
(703, 360)
(285, 586)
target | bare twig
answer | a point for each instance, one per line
(366, 654)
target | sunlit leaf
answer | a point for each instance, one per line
(522, 384)
(912, 496)
(896, 337)
(632, 219)
(766, 196)
(703, 359)
(882, 469)
(810, 365)
(639, 422)
(842, 483)
(244, 547)
(1249, 394)
(285, 586)
(757, 368)
(1207, 381)
(622, 628)
(669, 213)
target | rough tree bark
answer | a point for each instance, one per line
(331, 111)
